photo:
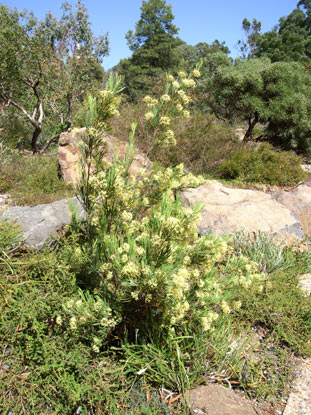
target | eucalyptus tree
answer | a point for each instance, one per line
(24, 62)
(46, 67)
(78, 55)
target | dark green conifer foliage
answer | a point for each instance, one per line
(154, 45)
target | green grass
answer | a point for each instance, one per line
(33, 180)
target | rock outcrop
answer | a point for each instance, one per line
(298, 201)
(226, 210)
(68, 154)
(39, 223)
(299, 401)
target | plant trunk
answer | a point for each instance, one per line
(34, 139)
(251, 125)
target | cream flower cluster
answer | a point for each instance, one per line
(173, 103)
(88, 311)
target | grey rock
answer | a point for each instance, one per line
(299, 401)
(39, 223)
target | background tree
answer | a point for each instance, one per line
(46, 67)
(154, 45)
(276, 95)
(24, 63)
(78, 59)
(290, 40)
(210, 57)
(248, 46)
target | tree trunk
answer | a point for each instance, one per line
(251, 125)
(47, 145)
(34, 139)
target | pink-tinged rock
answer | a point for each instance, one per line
(218, 400)
(299, 202)
(68, 154)
(227, 210)
(299, 401)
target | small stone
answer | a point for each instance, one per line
(217, 400)
(305, 283)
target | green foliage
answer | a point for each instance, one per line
(154, 45)
(44, 368)
(155, 20)
(263, 165)
(32, 180)
(47, 67)
(289, 40)
(276, 95)
(282, 309)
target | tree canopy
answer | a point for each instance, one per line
(276, 96)
(154, 45)
(46, 66)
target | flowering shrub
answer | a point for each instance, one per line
(150, 269)
(161, 113)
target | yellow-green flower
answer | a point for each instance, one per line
(149, 116)
(73, 323)
(165, 121)
(165, 98)
(147, 99)
(59, 320)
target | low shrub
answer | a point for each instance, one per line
(263, 164)
(32, 180)
(202, 141)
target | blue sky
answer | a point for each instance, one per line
(198, 20)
